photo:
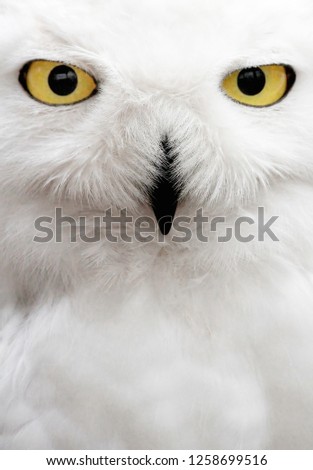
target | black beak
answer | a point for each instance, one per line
(165, 194)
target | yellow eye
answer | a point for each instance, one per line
(259, 86)
(55, 83)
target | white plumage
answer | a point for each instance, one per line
(159, 345)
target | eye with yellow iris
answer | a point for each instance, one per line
(55, 83)
(259, 86)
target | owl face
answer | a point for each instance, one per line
(154, 105)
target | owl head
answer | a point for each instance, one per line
(154, 105)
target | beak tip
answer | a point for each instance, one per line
(165, 225)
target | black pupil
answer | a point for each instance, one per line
(63, 80)
(251, 81)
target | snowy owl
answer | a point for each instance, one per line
(188, 125)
